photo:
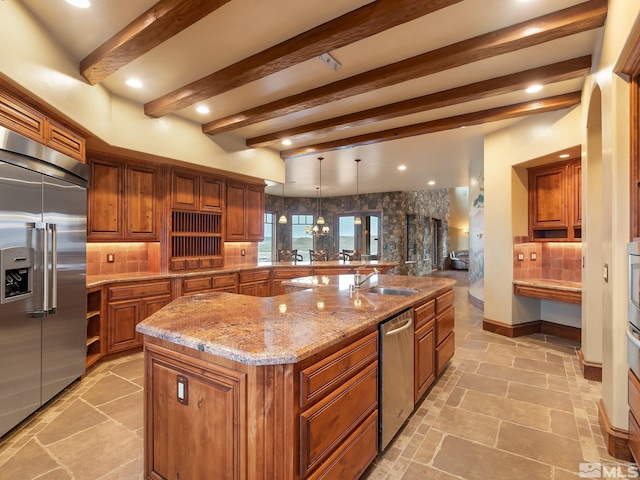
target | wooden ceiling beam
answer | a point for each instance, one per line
(557, 72)
(158, 24)
(550, 104)
(349, 28)
(570, 21)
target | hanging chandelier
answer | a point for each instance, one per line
(283, 218)
(357, 220)
(320, 228)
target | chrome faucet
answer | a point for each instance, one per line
(357, 281)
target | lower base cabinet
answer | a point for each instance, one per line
(210, 417)
(128, 305)
(634, 414)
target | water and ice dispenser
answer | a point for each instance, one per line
(16, 270)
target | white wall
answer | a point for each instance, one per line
(615, 205)
(33, 59)
(459, 218)
(506, 198)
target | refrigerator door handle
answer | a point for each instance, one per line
(41, 228)
(53, 299)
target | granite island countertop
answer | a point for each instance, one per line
(286, 328)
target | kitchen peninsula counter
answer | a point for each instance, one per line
(285, 387)
(98, 280)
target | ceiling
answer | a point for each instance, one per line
(420, 83)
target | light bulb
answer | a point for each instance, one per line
(283, 219)
(320, 220)
(357, 221)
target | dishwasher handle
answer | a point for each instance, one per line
(405, 326)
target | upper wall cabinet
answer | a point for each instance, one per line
(192, 191)
(124, 201)
(27, 121)
(555, 205)
(245, 212)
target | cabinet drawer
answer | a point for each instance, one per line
(325, 425)
(634, 437)
(143, 289)
(634, 394)
(225, 280)
(334, 370)
(196, 284)
(291, 272)
(444, 301)
(254, 275)
(352, 458)
(444, 324)
(333, 271)
(424, 313)
(444, 352)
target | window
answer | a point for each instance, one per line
(266, 248)
(364, 237)
(301, 239)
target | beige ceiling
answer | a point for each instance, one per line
(219, 44)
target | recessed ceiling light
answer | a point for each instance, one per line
(402, 167)
(286, 142)
(564, 155)
(79, 3)
(533, 88)
(202, 109)
(431, 182)
(134, 83)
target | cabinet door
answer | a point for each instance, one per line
(153, 304)
(211, 194)
(263, 289)
(142, 203)
(548, 191)
(247, 289)
(236, 197)
(425, 356)
(122, 320)
(104, 220)
(194, 421)
(62, 140)
(254, 213)
(577, 193)
(184, 191)
(21, 119)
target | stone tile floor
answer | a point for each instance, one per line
(503, 409)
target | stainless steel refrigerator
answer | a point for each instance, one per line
(43, 210)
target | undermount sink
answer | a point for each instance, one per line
(392, 291)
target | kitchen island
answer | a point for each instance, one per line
(280, 387)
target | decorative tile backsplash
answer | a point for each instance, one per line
(550, 260)
(130, 257)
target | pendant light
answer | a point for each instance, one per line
(283, 218)
(319, 228)
(357, 220)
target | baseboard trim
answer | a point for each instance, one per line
(479, 304)
(529, 328)
(511, 330)
(590, 370)
(615, 439)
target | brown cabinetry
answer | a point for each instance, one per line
(255, 282)
(194, 419)
(196, 221)
(129, 304)
(95, 333)
(124, 201)
(338, 395)
(245, 212)
(555, 206)
(634, 414)
(424, 348)
(27, 121)
(285, 273)
(219, 282)
(444, 330)
(197, 192)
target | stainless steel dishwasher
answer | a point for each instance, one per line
(396, 375)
